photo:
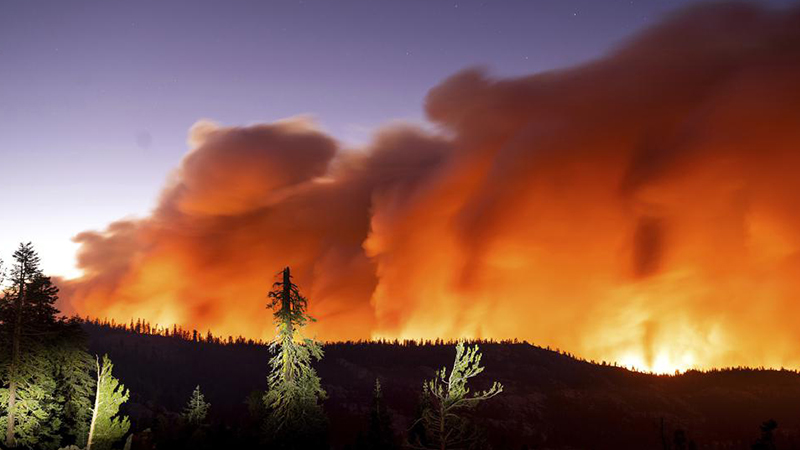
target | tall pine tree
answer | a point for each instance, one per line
(295, 419)
(31, 411)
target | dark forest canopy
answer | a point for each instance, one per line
(550, 397)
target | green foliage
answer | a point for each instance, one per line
(76, 385)
(106, 427)
(196, 410)
(36, 411)
(41, 356)
(294, 387)
(447, 397)
(52, 392)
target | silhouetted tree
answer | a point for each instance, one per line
(379, 434)
(106, 427)
(680, 441)
(449, 396)
(418, 433)
(766, 441)
(295, 416)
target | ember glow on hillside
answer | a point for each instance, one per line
(643, 208)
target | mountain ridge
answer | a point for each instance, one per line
(551, 399)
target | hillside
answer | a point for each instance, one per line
(551, 400)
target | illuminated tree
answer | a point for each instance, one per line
(44, 368)
(196, 410)
(447, 397)
(294, 392)
(28, 321)
(106, 427)
(75, 383)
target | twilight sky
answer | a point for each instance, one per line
(96, 97)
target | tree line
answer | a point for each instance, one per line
(175, 331)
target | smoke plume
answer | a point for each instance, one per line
(642, 208)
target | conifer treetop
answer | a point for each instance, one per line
(26, 263)
(446, 396)
(453, 389)
(287, 302)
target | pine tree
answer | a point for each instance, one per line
(106, 427)
(767, 439)
(449, 396)
(31, 412)
(196, 410)
(75, 383)
(294, 393)
(418, 433)
(379, 435)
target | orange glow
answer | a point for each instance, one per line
(642, 209)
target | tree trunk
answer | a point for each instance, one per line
(12, 386)
(286, 306)
(96, 404)
(287, 291)
(443, 440)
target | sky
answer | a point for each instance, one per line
(97, 97)
(612, 178)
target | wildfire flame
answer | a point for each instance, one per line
(643, 208)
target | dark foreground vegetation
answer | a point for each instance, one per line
(184, 390)
(550, 400)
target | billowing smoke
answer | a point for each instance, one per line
(642, 208)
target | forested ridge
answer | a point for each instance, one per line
(551, 399)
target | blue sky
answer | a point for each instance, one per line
(96, 97)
